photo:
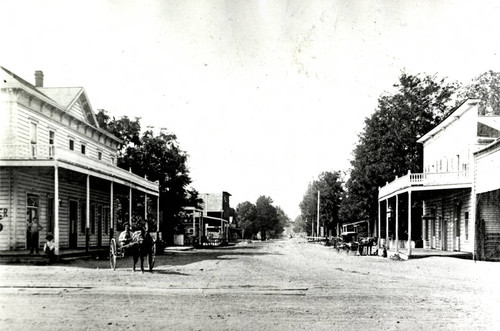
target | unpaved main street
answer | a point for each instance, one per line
(275, 285)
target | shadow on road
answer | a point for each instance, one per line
(173, 258)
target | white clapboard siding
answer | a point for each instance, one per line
(63, 134)
(5, 208)
(445, 207)
(72, 186)
(77, 111)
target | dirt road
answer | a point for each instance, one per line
(276, 285)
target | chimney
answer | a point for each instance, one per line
(38, 78)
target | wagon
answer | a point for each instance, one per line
(117, 251)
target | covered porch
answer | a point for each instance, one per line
(403, 225)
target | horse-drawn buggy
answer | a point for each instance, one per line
(348, 242)
(140, 245)
(351, 242)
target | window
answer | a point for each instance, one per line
(466, 225)
(33, 139)
(99, 155)
(105, 217)
(32, 206)
(112, 160)
(83, 148)
(52, 135)
(33, 133)
(71, 144)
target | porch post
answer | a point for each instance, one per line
(157, 217)
(194, 221)
(424, 227)
(387, 223)
(145, 207)
(378, 224)
(409, 223)
(130, 207)
(397, 223)
(87, 216)
(111, 211)
(56, 208)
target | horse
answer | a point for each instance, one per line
(142, 246)
(367, 242)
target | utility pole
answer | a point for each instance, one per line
(317, 226)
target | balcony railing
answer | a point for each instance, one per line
(427, 180)
(50, 152)
(27, 152)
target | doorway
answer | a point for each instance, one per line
(73, 224)
(99, 225)
(444, 234)
(456, 227)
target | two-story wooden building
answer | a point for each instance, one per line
(56, 164)
(436, 209)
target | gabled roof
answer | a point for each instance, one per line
(74, 100)
(11, 80)
(64, 98)
(461, 109)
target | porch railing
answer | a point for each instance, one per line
(426, 179)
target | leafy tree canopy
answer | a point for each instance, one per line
(330, 186)
(261, 217)
(485, 87)
(159, 158)
(388, 144)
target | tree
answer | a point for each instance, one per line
(266, 217)
(485, 87)
(388, 144)
(330, 186)
(299, 224)
(159, 158)
(261, 217)
(282, 222)
(246, 214)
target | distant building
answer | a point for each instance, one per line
(216, 210)
(213, 223)
(58, 165)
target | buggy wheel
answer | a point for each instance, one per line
(152, 257)
(112, 253)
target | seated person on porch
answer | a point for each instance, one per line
(50, 247)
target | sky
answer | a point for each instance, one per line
(262, 95)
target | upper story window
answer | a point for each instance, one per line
(99, 155)
(71, 144)
(33, 133)
(83, 149)
(52, 136)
